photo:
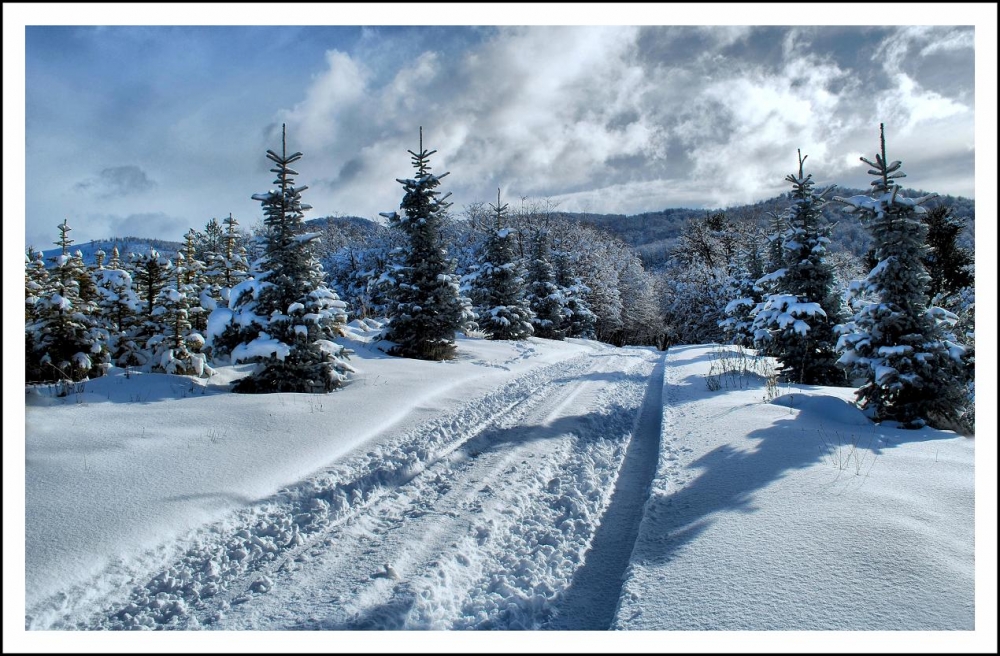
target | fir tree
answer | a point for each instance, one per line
(290, 317)
(498, 289)
(117, 309)
(66, 340)
(949, 266)
(35, 283)
(234, 263)
(150, 274)
(194, 283)
(910, 372)
(544, 296)
(795, 322)
(578, 320)
(426, 308)
(176, 347)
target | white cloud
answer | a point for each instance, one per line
(624, 119)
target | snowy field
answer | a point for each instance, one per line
(560, 486)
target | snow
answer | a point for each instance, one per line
(534, 484)
(264, 346)
(812, 518)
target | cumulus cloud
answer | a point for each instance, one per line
(117, 181)
(599, 118)
(594, 114)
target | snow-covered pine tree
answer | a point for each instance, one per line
(176, 347)
(426, 308)
(150, 274)
(910, 372)
(117, 307)
(67, 342)
(498, 288)
(289, 321)
(35, 282)
(193, 281)
(949, 266)
(210, 241)
(754, 257)
(795, 321)
(544, 296)
(235, 266)
(741, 311)
(578, 320)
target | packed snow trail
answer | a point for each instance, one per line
(592, 598)
(477, 519)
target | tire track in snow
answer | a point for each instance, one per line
(236, 560)
(592, 598)
(517, 508)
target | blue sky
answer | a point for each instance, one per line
(152, 130)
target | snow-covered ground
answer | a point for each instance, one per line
(548, 485)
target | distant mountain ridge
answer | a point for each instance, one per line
(652, 234)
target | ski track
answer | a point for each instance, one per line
(596, 588)
(482, 518)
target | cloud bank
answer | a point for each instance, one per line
(611, 119)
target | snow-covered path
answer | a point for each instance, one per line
(525, 485)
(479, 518)
(592, 597)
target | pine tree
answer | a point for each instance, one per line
(911, 373)
(193, 282)
(578, 320)
(234, 264)
(498, 288)
(426, 308)
(210, 241)
(751, 282)
(290, 318)
(35, 282)
(66, 340)
(795, 322)
(117, 309)
(949, 266)
(544, 296)
(176, 347)
(150, 274)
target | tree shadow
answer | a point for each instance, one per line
(730, 476)
(591, 599)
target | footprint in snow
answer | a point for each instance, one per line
(387, 572)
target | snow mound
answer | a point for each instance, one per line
(829, 407)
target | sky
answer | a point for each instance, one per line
(151, 127)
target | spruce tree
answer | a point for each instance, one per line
(290, 319)
(117, 307)
(795, 322)
(909, 371)
(234, 265)
(949, 266)
(67, 342)
(544, 296)
(498, 288)
(578, 320)
(193, 282)
(174, 346)
(35, 283)
(426, 308)
(150, 275)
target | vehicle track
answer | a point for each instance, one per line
(416, 531)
